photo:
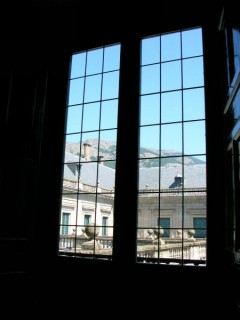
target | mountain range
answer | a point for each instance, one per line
(108, 151)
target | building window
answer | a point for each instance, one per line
(172, 152)
(199, 225)
(87, 219)
(104, 226)
(65, 223)
(165, 224)
(148, 131)
(90, 143)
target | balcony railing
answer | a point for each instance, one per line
(170, 250)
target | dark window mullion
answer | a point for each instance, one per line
(183, 150)
(160, 143)
(124, 248)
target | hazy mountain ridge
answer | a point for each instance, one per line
(108, 151)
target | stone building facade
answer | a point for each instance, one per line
(88, 198)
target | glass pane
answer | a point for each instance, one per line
(69, 206)
(78, 65)
(193, 73)
(148, 214)
(73, 137)
(107, 243)
(150, 109)
(86, 209)
(172, 209)
(150, 79)
(90, 145)
(149, 139)
(172, 174)
(148, 178)
(171, 137)
(106, 239)
(194, 104)
(150, 50)
(171, 76)
(71, 173)
(193, 249)
(192, 43)
(69, 155)
(108, 141)
(74, 119)
(111, 58)
(190, 174)
(170, 46)
(87, 240)
(191, 160)
(72, 145)
(92, 235)
(109, 114)
(89, 177)
(110, 85)
(149, 241)
(93, 88)
(110, 164)
(106, 177)
(170, 159)
(91, 113)
(171, 106)
(67, 239)
(194, 137)
(148, 153)
(75, 91)
(151, 162)
(94, 61)
(70, 183)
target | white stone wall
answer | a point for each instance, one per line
(179, 210)
(85, 205)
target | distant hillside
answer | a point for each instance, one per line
(108, 151)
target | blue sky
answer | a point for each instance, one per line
(170, 92)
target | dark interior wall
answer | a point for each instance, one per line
(38, 38)
(231, 29)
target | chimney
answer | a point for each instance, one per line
(87, 150)
(178, 180)
(100, 159)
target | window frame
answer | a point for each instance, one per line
(130, 60)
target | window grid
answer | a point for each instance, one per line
(170, 146)
(154, 88)
(89, 180)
